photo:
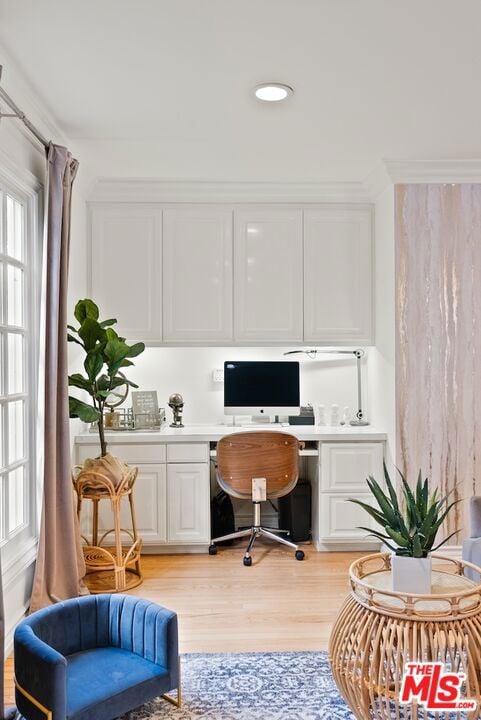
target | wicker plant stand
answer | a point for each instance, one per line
(110, 567)
(377, 631)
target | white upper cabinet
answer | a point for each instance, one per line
(224, 274)
(337, 276)
(268, 275)
(126, 272)
(197, 275)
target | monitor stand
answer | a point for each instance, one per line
(261, 421)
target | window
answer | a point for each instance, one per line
(18, 370)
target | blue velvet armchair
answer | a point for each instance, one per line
(95, 658)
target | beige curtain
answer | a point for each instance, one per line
(60, 566)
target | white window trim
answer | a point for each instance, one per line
(20, 547)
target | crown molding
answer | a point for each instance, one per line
(434, 171)
(191, 191)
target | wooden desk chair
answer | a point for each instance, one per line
(257, 466)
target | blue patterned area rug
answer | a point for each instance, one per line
(253, 686)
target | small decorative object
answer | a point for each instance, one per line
(145, 407)
(176, 402)
(345, 416)
(334, 415)
(321, 415)
(410, 527)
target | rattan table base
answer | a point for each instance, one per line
(377, 631)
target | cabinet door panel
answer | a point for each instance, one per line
(337, 276)
(340, 519)
(345, 466)
(188, 498)
(197, 256)
(268, 275)
(150, 506)
(125, 275)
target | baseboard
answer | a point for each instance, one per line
(175, 549)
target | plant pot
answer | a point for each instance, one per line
(411, 575)
(102, 472)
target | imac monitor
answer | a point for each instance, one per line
(261, 388)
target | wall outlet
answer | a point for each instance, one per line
(218, 375)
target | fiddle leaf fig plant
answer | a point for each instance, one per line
(410, 523)
(105, 354)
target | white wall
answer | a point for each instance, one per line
(189, 371)
(381, 370)
(22, 157)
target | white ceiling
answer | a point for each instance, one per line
(161, 88)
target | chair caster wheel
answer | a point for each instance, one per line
(212, 549)
(247, 561)
(299, 554)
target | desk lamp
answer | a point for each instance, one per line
(358, 354)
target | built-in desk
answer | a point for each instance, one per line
(176, 478)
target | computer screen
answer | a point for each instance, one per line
(261, 387)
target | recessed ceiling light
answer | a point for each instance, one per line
(272, 92)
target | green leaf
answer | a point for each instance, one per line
(390, 487)
(398, 538)
(126, 363)
(378, 536)
(86, 309)
(445, 540)
(91, 332)
(135, 350)
(390, 515)
(79, 381)
(79, 409)
(103, 382)
(93, 364)
(71, 338)
(111, 334)
(417, 547)
(375, 514)
(115, 350)
(107, 323)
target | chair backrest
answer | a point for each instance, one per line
(265, 454)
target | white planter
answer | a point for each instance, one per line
(411, 575)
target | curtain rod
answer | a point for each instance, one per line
(17, 113)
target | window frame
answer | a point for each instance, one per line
(19, 545)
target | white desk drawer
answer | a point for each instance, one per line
(345, 466)
(187, 452)
(129, 452)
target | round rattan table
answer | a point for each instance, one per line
(378, 630)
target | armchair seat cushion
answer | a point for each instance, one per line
(103, 681)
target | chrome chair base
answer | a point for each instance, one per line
(255, 532)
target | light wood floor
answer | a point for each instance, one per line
(277, 604)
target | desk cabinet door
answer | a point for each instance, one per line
(149, 504)
(337, 276)
(188, 499)
(197, 258)
(268, 275)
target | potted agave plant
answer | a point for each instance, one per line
(105, 354)
(410, 525)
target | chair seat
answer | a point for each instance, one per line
(106, 682)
